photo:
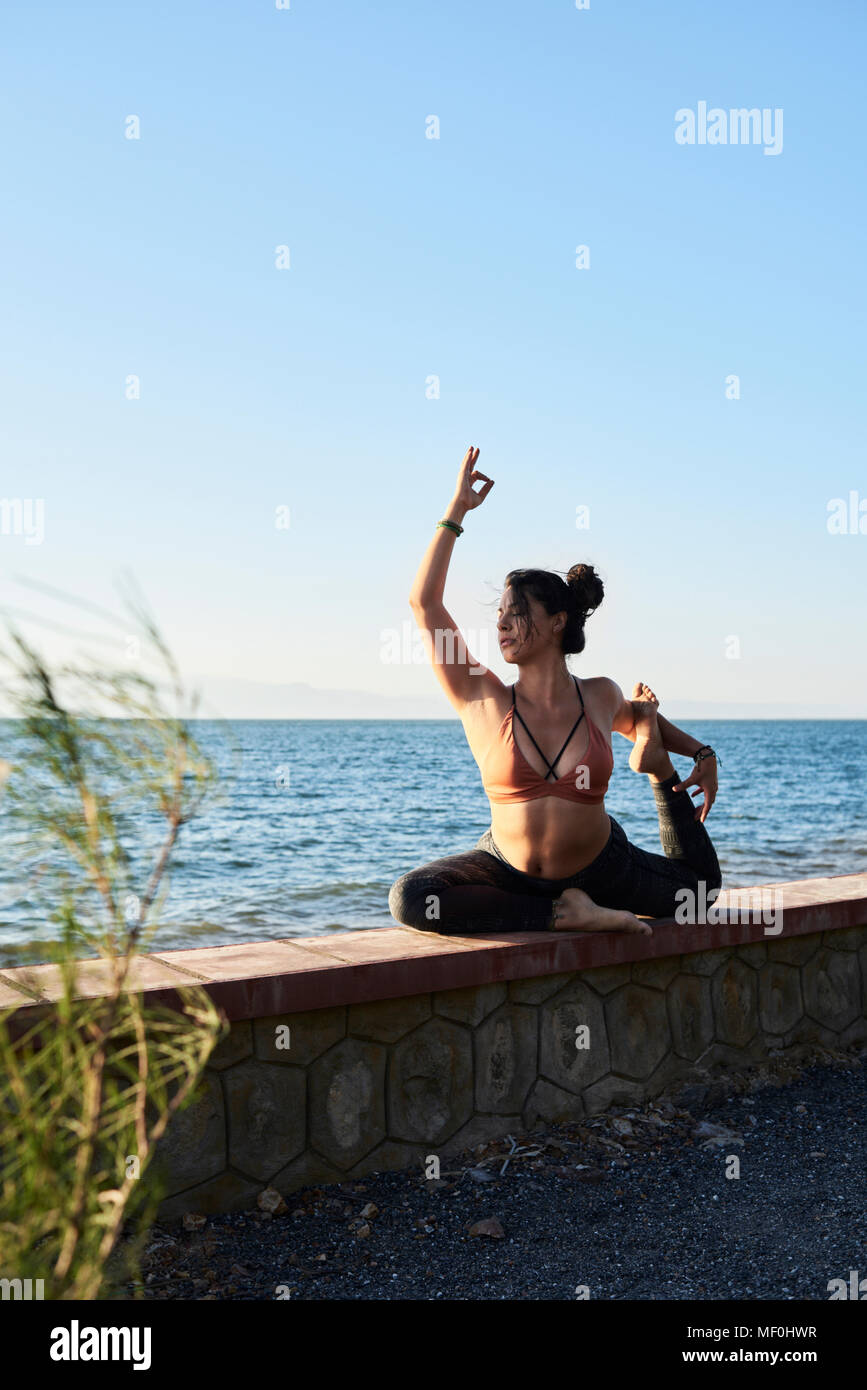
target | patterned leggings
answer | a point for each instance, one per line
(481, 892)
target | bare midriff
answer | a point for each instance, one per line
(549, 837)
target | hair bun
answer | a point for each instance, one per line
(586, 586)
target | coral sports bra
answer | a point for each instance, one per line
(508, 777)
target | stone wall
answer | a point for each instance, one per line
(365, 1050)
(335, 1093)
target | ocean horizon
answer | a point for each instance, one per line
(316, 818)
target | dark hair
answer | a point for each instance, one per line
(577, 596)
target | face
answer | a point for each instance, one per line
(519, 646)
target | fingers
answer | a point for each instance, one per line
(682, 786)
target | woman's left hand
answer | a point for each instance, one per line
(704, 777)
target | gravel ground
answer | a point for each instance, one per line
(633, 1204)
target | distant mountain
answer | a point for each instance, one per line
(235, 698)
(232, 697)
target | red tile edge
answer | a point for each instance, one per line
(421, 962)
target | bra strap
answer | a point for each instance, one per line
(551, 766)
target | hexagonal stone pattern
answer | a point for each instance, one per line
(755, 954)
(306, 1170)
(469, 1005)
(387, 1157)
(347, 1101)
(226, 1192)
(796, 951)
(844, 939)
(657, 974)
(266, 1115)
(734, 989)
(637, 1020)
(237, 1045)
(430, 1090)
(388, 1083)
(386, 1020)
(193, 1147)
(604, 978)
(480, 1130)
(538, 990)
(690, 1015)
(310, 1034)
(551, 1104)
(560, 1060)
(781, 1003)
(832, 988)
(612, 1090)
(704, 962)
(506, 1061)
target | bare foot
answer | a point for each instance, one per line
(648, 755)
(575, 911)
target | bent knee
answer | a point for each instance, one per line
(413, 903)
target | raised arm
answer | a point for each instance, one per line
(462, 677)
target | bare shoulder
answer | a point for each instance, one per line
(617, 708)
(488, 695)
(482, 715)
(603, 689)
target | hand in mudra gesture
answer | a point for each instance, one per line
(465, 494)
(704, 776)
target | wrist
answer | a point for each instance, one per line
(456, 512)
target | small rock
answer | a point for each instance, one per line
(481, 1175)
(715, 1136)
(362, 1232)
(193, 1221)
(622, 1127)
(271, 1200)
(489, 1227)
(800, 1109)
(369, 1211)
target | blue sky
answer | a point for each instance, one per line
(410, 258)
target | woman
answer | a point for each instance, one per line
(552, 859)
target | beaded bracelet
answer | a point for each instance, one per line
(453, 526)
(705, 752)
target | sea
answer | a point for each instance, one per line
(315, 819)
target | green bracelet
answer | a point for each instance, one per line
(453, 526)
